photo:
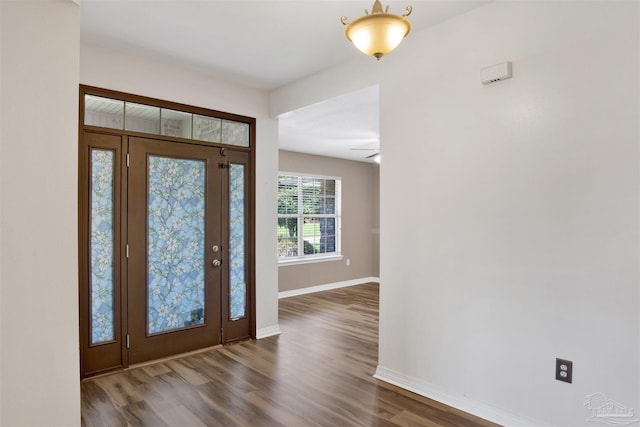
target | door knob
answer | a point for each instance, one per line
(216, 263)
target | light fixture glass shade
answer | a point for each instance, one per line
(378, 33)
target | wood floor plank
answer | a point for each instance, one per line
(409, 419)
(97, 407)
(318, 372)
(179, 415)
(156, 369)
(187, 370)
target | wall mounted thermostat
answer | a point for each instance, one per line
(495, 73)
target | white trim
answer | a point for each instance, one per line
(269, 331)
(328, 286)
(283, 262)
(460, 402)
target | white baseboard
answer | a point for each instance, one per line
(328, 286)
(462, 403)
(269, 331)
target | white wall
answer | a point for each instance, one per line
(1, 115)
(120, 71)
(357, 74)
(39, 371)
(521, 243)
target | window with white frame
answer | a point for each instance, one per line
(308, 217)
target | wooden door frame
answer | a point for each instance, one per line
(233, 328)
(83, 200)
(89, 363)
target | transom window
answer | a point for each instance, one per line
(308, 218)
(129, 116)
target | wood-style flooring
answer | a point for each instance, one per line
(318, 372)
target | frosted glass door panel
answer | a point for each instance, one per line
(103, 112)
(237, 281)
(176, 243)
(207, 129)
(235, 133)
(102, 246)
(142, 118)
(175, 123)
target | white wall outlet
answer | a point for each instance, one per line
(348, 262)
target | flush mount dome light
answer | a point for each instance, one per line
(379, 32)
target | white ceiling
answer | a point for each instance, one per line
(346, 127)
(263, 44)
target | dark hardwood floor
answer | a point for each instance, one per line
(318, 372)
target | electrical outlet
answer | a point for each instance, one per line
(564, 370)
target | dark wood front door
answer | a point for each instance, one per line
(175, 248)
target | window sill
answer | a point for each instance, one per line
(310, 260)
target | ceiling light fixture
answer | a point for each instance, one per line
(379, 32)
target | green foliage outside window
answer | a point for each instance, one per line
(307, 205)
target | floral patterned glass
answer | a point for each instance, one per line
(238, 286)
(101, 250)
(176, 215)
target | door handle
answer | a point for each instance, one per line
(216, 263)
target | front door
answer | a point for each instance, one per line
(164, 248)
(175, 254)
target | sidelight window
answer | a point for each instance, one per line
(102, 245)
